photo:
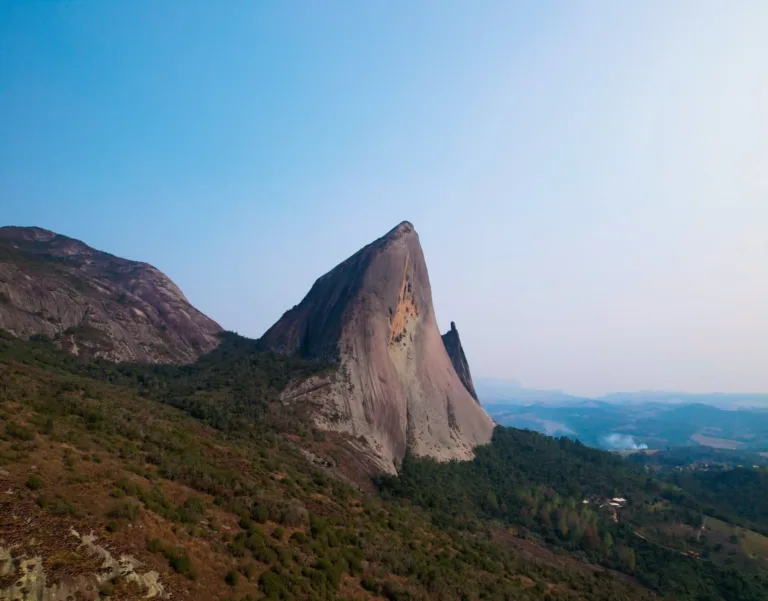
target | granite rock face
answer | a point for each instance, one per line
(394, 387)
(455, 351)
(93, 303)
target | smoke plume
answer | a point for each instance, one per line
(621, 442)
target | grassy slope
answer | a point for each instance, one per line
(725, 534)
(232, 511)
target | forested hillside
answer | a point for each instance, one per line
(738, 495)
(561, 493)
(221, 492)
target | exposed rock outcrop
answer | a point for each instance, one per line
(455, 351)
(91, 302)
(395, 387)
(25, 578)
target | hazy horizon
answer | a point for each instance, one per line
(588, 180)
(486, 385)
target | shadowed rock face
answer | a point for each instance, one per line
(91, 302)
(395, 386)
(455, 351)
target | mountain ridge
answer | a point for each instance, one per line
(96, 303)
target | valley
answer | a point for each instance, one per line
(651, 424)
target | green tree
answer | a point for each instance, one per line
(627, 558)
(607, 545)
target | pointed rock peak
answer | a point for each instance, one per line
(404, 227)
(394, 387)
(455, 351)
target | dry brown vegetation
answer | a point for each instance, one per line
(256, 510)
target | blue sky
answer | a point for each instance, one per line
(588, 178)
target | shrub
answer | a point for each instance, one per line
(318, 526)
(354, 560)
(392, 591)
(192, 510)
(129, 510)
(34, 482)
(47, 427)
(195, 504)
(112, 526)
(62, 506)
(298, 537)
(246, 523)
(237, 548)
(255, 539)
(181, 563)
(262, 552)
(14, 430)
(259, 513)
(332, 571)
(249, 570)
(295, 514)
(272, 585)
(232, 578)
(128, 487)
(106, 590)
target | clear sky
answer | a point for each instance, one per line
(589, 179)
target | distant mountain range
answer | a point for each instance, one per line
(628, 421)
(492, 391)
(634, 426)
(716, 399)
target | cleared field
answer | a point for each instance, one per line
(717, 443)
(753, 543)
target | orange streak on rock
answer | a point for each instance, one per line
(406, 307)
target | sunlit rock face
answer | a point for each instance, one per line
(394, 386)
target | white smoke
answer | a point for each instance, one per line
(621, 442)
